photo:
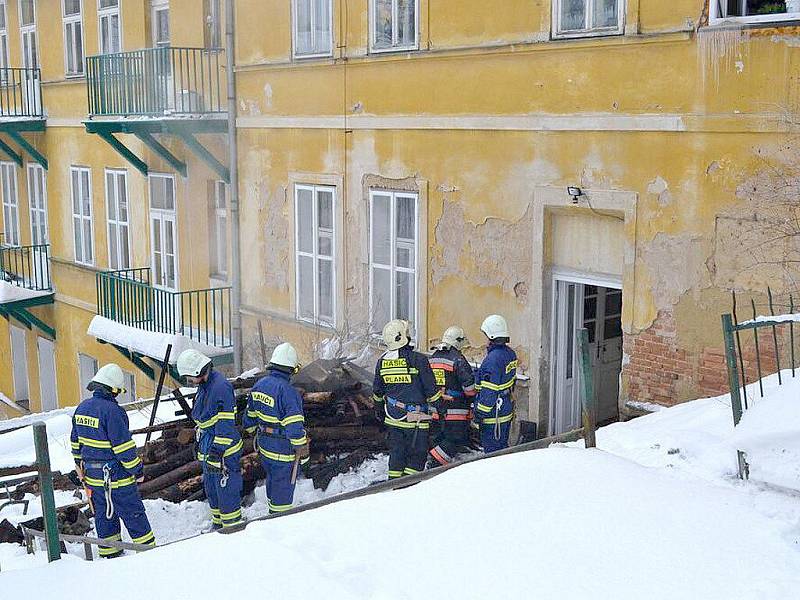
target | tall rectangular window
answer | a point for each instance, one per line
(110, 26)
(160, 23)
(393, 257)
(129, 395)
(4, 62)
(315, 281)
(8, 179)
(312, 28)
(37, 200)
(753, 11)
(213, 25)
(394, 24)
(119, 254)
(27, 22)
(87, 367)
(218, 229)
(163, 232)
(73, 38)
(81, 190)
(579, 18)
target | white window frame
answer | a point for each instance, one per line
(10, 203)
(213, 25)
(393, 268)
(157, 6)
(71, 52)
(108, 12)
(130, 389)
(296, 22)
(4, 59)
(715, 18)
(589, 31)
(86, 363)
(40, 210)
(314, 254)
(394, 48)
(25, 30)
(123, 258)
(163, 215)
(218, 266)
(82, 219)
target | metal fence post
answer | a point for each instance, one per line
(588, 404)
(46, 489)
(733, 372)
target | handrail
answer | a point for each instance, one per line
(21, 92)
(26, 266)
(29, 533)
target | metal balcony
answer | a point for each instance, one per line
(20, 94)
(129, 298)
(26, 267)
(156, 83)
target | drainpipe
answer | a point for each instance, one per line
(233, 161)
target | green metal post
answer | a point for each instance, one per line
(587, 377)
(733, 372)
(46, 488)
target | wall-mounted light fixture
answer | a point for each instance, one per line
(575, 192)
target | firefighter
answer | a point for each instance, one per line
(275, 409)
(494, 410)
(107, 462)
(456, 381)
(404, 393)
(219, 445)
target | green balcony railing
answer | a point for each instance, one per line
(26, 266)
(21, 93)
(128, 297)
(156, 82)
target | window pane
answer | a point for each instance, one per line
(383, 24)
(612, 328)
(605, 13)
(124, 249)
(169, 193)
(325, 289)
(406, 28)
(613, 302)
(122, 198)
(325, 209)
(405, 297)
(381, 297)
(113, 258)
(573, 14)
(406, 218)
(87, 241)
(322, 26)
(325, 245)
(305, 291)
(76, 207)
(405, 255)
(26, 12)
(381, 229)
(108, 3)
(222, 241)
(2, 16)
(221, 195)
(78, 67)
(76, 227)
(72, 7)
(305, 220)
(111, 197)
(304, 35)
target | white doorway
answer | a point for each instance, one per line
(47, 374)
(596, 305)
(19, 365)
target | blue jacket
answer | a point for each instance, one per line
(214, 412)
(404, 375)
(496, 377)
(276, 409)
(101, 434)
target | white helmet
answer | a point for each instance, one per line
(454, 337)
(395, 334)
(495, 326)
(111, 376)
(191, 363)
(285, 355)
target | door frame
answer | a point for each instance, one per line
(577, 277)
(39, 341)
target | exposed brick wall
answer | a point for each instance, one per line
(660, 371)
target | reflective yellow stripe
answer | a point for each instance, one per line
(393, 474)
(130, 464)
(251, 429)
(497, 388)
(292, 419)
(409, 471)
(230, 416)
(484, 408)
(299, 441)
(114, 484)
(279, 507)
(267, 418)
(276, 455)
(405, 425)
(124, 446)
(220, 416)
(233, 449)
(492, 420)
(224, 441)
(94, 443)
(377, 398)
(231, 515)
(75, 445)
(435, 397)
(147, 537)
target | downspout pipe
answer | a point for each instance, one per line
(233, 160)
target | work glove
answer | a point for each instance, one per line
(302, 451)
(216, 458)
(76, 476)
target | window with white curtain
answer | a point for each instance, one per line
(110, 26)
(8, 179)
(37, 200)
(393, 257)
(4, 64)
(218, 229)
(315, 266)
(213, 25)
(119, 253)
(753, 11)
(73, 37)
(394, 25)
(81, 191)
(579, 18)
(312, 28)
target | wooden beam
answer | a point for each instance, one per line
(11, 153)
(163, 152)
(204, 155)
(125, 152)
(34, 153)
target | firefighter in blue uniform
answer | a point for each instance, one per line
(494, 409)
(107, 462)
(405, 393)
(219, 445)
(456, 381)
(275, 410)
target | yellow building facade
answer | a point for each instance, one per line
(564, 163)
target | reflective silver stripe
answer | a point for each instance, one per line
(457, 411)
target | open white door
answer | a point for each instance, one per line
(19, 365)
(565, 390)
(47, 374)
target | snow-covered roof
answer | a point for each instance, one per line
(148, 343)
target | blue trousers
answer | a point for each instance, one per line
(225, 502)
(280, 489)
(488, 441)
(129, 508)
